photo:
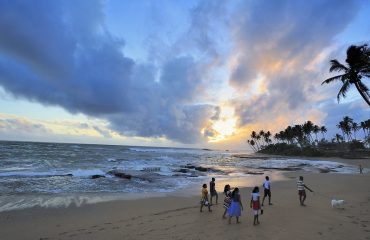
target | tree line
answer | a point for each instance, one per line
(310, 134)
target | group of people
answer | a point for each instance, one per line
(233, 203)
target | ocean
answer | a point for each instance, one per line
(57, 174)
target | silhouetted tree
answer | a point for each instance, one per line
(358, 67)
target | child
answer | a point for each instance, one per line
(227, 200)
(204, 199)
(212, 189)
(301, 190)
(267, 190)
(236, 206)
(255, 204)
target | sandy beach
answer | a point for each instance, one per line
(178, 217)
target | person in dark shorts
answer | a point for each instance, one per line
(301, 190)
(212, 190)
(267, 190)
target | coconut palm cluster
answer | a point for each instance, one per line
(312, 135)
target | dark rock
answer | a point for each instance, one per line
(182, 170)
(97, 176)
(254, 173)
(282, 169)
(324, 170)
(189, 166)
(201, 169)
(120, 174)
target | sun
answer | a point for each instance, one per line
(224, 126)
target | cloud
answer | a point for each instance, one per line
(275, 41)
(61, 53)
(21, 126)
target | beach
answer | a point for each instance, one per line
(177, 216)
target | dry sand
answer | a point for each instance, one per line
(179, 217)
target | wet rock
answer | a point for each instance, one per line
(201, 169)
(189, 166)
(254, 173)
(97, 176)
(120, 174)
(324, 170)
(281, 169)
(182, 170)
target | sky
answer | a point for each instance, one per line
(192, 73)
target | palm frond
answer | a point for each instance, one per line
(337, 66)
(363, 87)
(329, 80)
(343, 90)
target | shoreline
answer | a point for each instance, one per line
(365, 162)
(178, 217)
(80, 199)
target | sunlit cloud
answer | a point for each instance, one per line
(230, 67)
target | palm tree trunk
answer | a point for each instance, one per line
(367, 100)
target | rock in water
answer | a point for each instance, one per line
(97, 176)
(120, 174)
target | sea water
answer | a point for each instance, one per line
(57, 174)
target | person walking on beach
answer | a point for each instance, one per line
(212, 189)
(236, 206)
(255, 204)
(227, 200)
(360, 168)
(204, 199)
(267, 190)
(301, 190)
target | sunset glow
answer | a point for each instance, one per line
(191, 73)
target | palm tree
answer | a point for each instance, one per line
(339, 138)
(355, 128)
(358, 67)
(252, 143)
(254, 137)
(307, 129)
(316, 130)
(323, 131)
(363, 126)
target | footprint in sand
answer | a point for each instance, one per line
(101, 229)
(115, 227)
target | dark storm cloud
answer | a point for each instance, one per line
(61, 53)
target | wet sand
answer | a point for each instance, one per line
(178, 217)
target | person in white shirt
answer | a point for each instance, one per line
(301, 190)
(267, 190)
